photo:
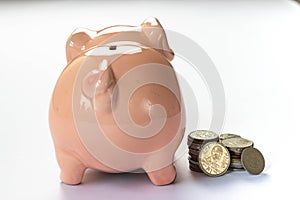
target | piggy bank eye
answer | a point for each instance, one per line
(112, 47)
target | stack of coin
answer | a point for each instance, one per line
(196, 140)
(235, 145)
(214, 155)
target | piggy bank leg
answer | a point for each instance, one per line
(163, 176)
(72, 169)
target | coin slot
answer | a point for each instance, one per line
(112, 47)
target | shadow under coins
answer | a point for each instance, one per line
(228, 180)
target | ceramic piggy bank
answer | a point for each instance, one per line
(117, 106)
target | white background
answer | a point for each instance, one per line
(255, 46)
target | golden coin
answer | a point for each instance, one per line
(253, 160)
(203, 135)
(227, 136)
(214, 159)
(237, 143)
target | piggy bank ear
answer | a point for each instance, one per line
(157, 37)
(98, 82)
(77, 43)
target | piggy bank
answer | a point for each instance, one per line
(117, 105)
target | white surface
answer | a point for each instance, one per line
(254, 45)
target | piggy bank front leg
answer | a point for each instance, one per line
(160, 169)
(72, 169)
(163, 176)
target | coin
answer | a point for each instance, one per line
(253, 160)
(235, 151)
(195, 169)
(235, 169)
(193, 162)
(202, 135)
(233, 155)
(194, 166)
(197, 146)
(193, 152)
(235, 160)
(214, 159)
(236, 165)
(193, 157)
(200, 142)
(227, 136)
(237, 143)
(194, 146)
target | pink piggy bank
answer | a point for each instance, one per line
(117, 106)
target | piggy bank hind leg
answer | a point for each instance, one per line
(72, 170)
(163, 176)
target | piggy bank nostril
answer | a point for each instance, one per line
(112, 47)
